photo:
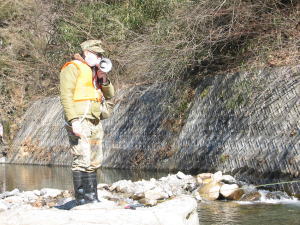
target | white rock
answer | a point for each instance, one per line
(152, 180)
(156, 194)
(104, 204)
(228, 179)
(37, 192)
(199, 180)
(227, 189)
(2, 160)
(163, 178)
(148, 202)
(180, 175)
(204, 175)
(3, 206)
(196, 195)
(178, 211)
(50, 192)
(167, 189)
(10, 193)
(142, 186)
(231, 191)
(217, 177)
(124, 186)
(14, 199)
(104, 194)
(29, 196)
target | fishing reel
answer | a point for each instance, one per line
(105, 65)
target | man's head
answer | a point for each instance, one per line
(92, 52)
(94, 46)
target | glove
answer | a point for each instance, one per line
(76, 128)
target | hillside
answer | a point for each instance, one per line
(148, 41)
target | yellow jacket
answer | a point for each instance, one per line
(77, 90)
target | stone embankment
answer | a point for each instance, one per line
(245, 124)
(168, 200)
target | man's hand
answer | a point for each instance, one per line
(76, 127)
(102, 76)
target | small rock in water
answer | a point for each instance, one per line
(252, 196)
(278, 195)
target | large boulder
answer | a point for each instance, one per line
(210, 191)
(181, 210)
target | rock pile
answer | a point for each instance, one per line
(215, 186)
(125, 193)
(183, 190)
(204, 186)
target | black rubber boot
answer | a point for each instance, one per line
(79, 189)
(90, 187)
(79, 186)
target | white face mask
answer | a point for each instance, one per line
(91, 59)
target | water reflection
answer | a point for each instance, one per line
(220, 213)
(30, 177)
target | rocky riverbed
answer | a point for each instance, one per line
(168, 200)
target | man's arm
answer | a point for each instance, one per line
(108, 90)
(68, 77)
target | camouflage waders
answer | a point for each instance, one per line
(87, 150)
(87, 158)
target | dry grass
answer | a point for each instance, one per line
(216, 37)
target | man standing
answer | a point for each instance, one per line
(84, 88)
(4, 137)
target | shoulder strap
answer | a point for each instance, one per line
(74, 62)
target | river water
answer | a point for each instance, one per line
(25, 177)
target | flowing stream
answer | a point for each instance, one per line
(264, 212)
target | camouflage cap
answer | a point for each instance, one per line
(92, 45)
